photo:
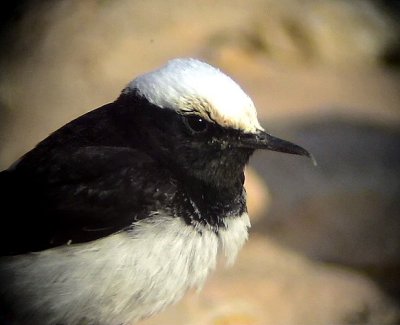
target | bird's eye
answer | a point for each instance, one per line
(195, 124)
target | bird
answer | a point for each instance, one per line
(115, 215)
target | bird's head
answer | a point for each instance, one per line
(196, 119)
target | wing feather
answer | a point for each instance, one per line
(77, 195)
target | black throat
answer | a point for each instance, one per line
(201, 203)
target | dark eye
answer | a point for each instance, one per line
(195, 124)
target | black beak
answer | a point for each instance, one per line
(263, 140)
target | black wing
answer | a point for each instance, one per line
(76, 196)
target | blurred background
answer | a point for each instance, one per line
(325, 242)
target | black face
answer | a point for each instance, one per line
(189, 144)
(206, 150)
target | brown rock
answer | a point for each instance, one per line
(258, 198)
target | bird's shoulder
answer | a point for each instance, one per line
(78, 194)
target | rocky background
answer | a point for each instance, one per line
(325, 242)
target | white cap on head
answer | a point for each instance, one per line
(191, 86)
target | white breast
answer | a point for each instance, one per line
(123, 277)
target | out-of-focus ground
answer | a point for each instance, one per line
(325, 242)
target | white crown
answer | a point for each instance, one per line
(191, 86)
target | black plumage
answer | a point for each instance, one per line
(101, 172)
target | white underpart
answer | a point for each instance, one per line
(185, 85)
(121, 278)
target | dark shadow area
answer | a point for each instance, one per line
(11, 13)
(391, 55)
